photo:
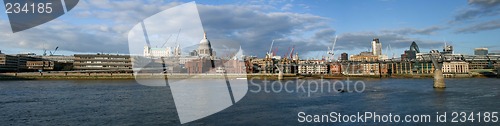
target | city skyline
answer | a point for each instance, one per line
(309, 25)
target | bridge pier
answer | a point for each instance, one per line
(439, 79)
(280, 75)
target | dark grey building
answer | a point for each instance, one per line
(17, 62)
(8, 63)
(344, 57)
(108, 62)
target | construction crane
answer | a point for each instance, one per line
(291, 52)
(389, 50)
(170, 37)
(270, 49)
(55, 50)
(331, 52)
(166, 41)
(286, 53)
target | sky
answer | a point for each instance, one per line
(102, 26)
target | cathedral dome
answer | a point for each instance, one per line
(205, 49)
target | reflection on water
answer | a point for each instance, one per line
(123, 102)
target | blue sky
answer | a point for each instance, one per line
(310, 25)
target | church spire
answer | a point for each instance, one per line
(205, 35)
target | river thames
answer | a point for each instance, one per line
(124, 102)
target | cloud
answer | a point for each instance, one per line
(256, 29)
(479, 11)
(489, 25)
(102, 26)
(412, 31)
(287, 7)
(106, 23)
(65, 36)
(91, 27)
(479, 8)
(304, 6)
(485, 3)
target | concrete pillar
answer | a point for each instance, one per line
(280, 75)
(439, 79)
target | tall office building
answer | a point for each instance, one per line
(481, 51)
(376, 47)
(344, 57)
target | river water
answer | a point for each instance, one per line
(124, 102)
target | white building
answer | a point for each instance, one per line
(376, 47)
(454, 67)
(162, 52)
(312, 67)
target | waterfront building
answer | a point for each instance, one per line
(370, 68)
(481, 61)
(312, 67)
(409, 68)
(364, 68)
(271, 65)
(59, 58)
(335, 68)
(45, 65)
(285, 65)
(481, 51)
(106, 62)
(252, 65)
(22, 59)
(32, 62)
(268, 65)
(8, 63)
(351, 68)
(204, 65)
(455, 67)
